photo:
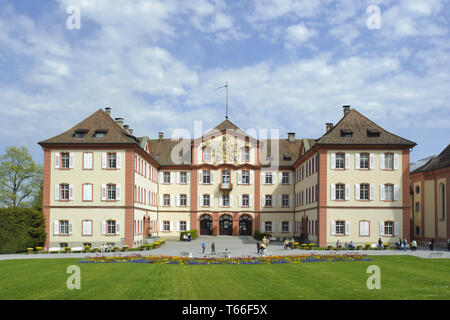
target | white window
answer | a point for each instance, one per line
(340, 228)
(340, 160)
(340, 192)
(285, 226)
(207, 154)
(112, 160)
(110, 227)
(364, 191)
(183, 226)
(64, 192)
(245, 177)
(268, 226)
(166, 200)
(388, 228)
(65, 160)
(269, 177)
(88, 161)
(389, 192)
(206, 200)
(389, 161)
(183, 177)
(87, 192)
(246, 154)
(268, 202)
(166, 225)
(166, 177)
(206, 177)
(364, 228)
(87, 227)
(245, 200)
(63, 227)
(285, 200)
(226, 200)
(183, 200)
(364, 161)
(285, 178)
(226, 176)
(112, 192)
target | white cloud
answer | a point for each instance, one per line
(298, 34)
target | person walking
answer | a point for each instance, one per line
(213, 248)
(286, 244)
(405, 244)
(203, 246)
(380, 244)
(413, 245)
(338, 245)
(258, 247)
(448, 244)
(432, 244)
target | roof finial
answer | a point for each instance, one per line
(226, 104)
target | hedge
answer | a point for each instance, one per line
(193, 232)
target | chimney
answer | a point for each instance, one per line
(329, 126)
(291, 136)
(119, 121)
(127, 128)
(160, 135)
(346, 110)
(108, 111)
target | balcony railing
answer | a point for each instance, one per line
(226, 186)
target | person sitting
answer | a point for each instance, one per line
(351, 246)
(286, 244)
(262, 248)
(291, 243)
(189, 237)
(346, 246)
(185, 237)
(413, 245)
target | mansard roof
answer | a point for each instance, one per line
(99, 121)
(360, 130)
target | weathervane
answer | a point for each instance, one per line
(225, 86)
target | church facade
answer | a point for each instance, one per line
(104, 185)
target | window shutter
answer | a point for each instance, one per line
(118, 227)
(118, 161)
(381, 228)
(274, 201)
(178, 178)
(178, 201)
(239, 177)
(71, 197)
(333, 161)
(161, 226)
(211, 200)
(347, 228)
(103, 227)
(103, 191)
(263, 203)
(161, 177)
(395, 161)
(280, 227)
(396, 229)
(171, 200)
(188, 177)
(372, 192)
(347, 192)
(188, 225)
(372, 161)
(171, 226)
(200, 178)
(262, 227)
(333, 192)
(177, 226)
(118, 196)
(161, 200)
(103, 160)
(188, 200)
(86, 161)
(172, 177)
(240, 200)
(333, 228)
(220, 201)
(357, 161)
(56, 192)
(231, 200)
(200, 199)
(290, 177)
(263, 177)
(71, 160)
(250, 201)
(290, 227)
(382, 161)
(382, 192)
(56, 227)
(396, 192)
(290, 201)
(357, 191)
(252, 177)
(57, 161)
(347, 161)
(280, 177)
(212, 177)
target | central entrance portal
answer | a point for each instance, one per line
(206, 225)
(245, 225)
(226, 225)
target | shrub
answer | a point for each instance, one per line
(87, 248)
(125, 248)
(30, 250)
(39, 249)
(329, 247)
(358, 247)
(115, 249)
(259, 236)
(193, 232)
(96, 250)
(386, 246)
(67, 249)
(367, 246)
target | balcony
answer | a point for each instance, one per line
(227, 186)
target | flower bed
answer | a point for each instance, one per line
(238, 260)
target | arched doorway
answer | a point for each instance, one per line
(226, 225)
(245, 225)
(206, 225)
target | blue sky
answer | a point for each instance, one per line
(291, 65)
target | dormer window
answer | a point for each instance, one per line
(286, 158)
(100, 134)
(373, 133)
(80, 133)
(346, 133)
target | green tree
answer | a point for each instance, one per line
(20, 178)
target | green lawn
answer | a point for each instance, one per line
(403, 277)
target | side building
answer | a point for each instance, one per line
(430, 200)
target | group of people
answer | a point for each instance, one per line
(289, 243)
(347, 245)
(261, 246)
(187, 237)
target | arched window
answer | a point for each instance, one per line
(442, 200)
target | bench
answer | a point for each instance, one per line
(186, 254)
(77, 249)
(55, 249)
(225, 254)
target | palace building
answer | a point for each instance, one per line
(104, 185)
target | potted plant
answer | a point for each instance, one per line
(67, 249)
(386, 246)
(310, 246)
(125, 248)
(87, 248)
(367, 246)
(39, 249)
(30, 250)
